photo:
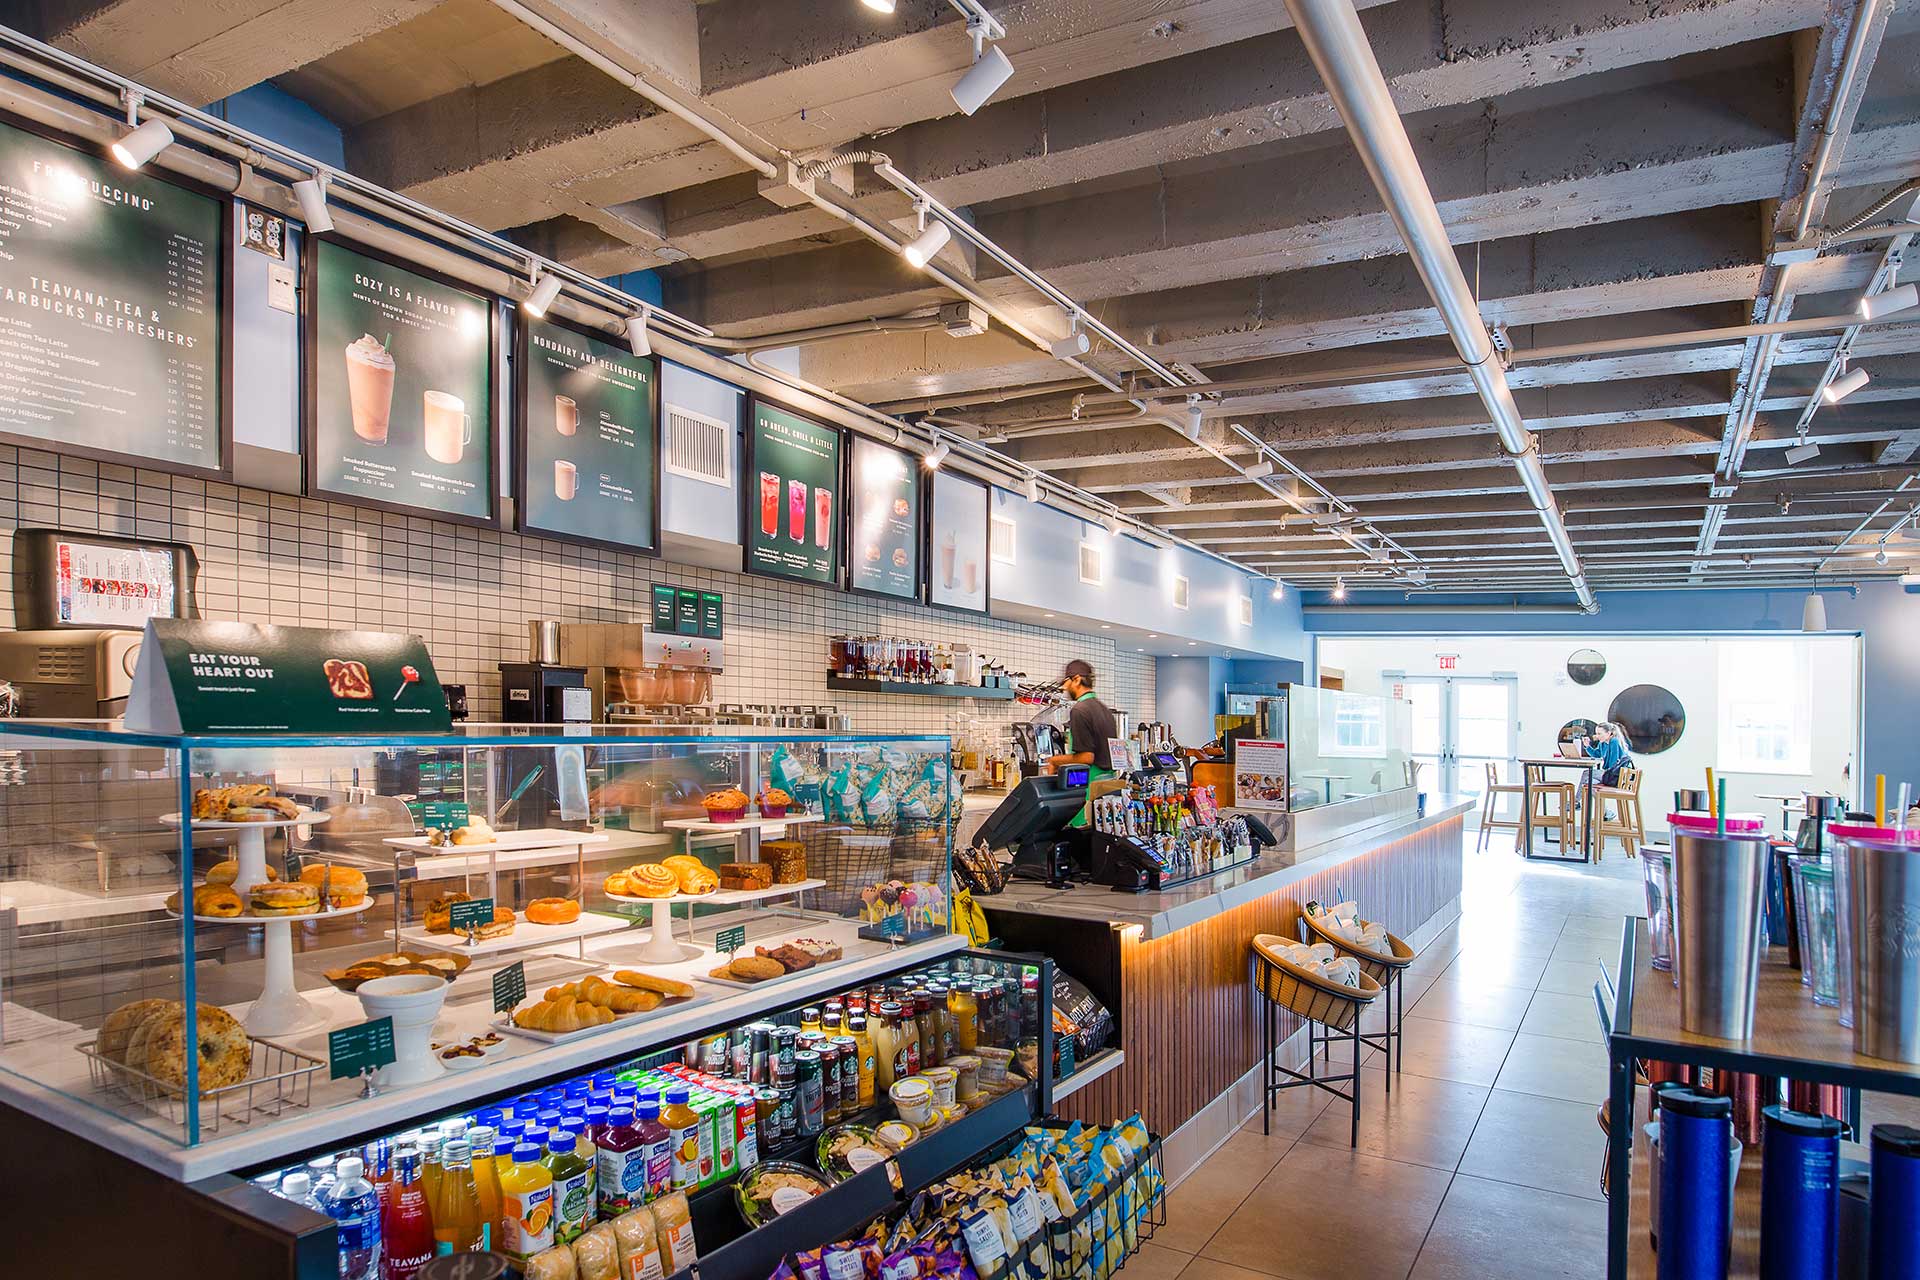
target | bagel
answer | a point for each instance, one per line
(225, 1053)
(553, 911)
(144, 1030)
(118, 1027)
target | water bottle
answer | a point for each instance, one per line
(320, 1175)
(1893, 1250)
(354, 1206)
(1800, 1197)
(298, 1187)
(1696, 1193)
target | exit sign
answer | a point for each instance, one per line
(1448, 661)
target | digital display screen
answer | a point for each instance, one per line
(1075, 775)
(112, 586)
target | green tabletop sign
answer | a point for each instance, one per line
(509, 987)
(441, 815)
(711, 622)
(793, 483)
(730, 940)
(686, 615)
(588, 457)
(893, 926)
(239, 678)
(466, 916)
(665, 603)
(365, 1047)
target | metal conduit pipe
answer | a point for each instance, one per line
(1338, 46)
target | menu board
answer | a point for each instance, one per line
(883, 539)
(957, 543)
(399, 387)
(588, 455)
(111, 290)
(793, 478)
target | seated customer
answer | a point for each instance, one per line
(1610, 749)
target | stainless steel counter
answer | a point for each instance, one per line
(1157, 914)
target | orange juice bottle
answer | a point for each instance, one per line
(526, 1204)
(683, 1137)
(458, 1226)
(486, 1176)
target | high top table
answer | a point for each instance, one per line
(1588, 768)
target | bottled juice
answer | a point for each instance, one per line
(430, 1164)
(486, 1174)
(458, 1226)
(656, 1144)
(572, 1188)
(944, 1046)
(966, 1016)
(620, 1164)
(526, 1204)
(863, 1039)
(683, 1135)
(510, 1135)
(716, 1136)
(406, 1223)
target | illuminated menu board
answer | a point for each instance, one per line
(792, 495)
(111, 291)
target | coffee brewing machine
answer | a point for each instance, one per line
(637, 675)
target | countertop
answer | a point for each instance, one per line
(1158, 914)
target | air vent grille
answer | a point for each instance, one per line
(698, 447)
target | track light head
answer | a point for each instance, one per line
(639, 341)
(933, 457)
(312, 196)
(142, 144)
(991, 68)
(1279, 589)
(1259, 470)
(1873, 306)
(1112, 522)
(927, 244)
(1196, 416)
(1339, 588)
(1073, 346)
(1880, 555)
(1033, 488)
(546, 287)
(1845, 385)
(1783, 504)
(1800, 453)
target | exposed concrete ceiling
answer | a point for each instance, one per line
(1610, 171)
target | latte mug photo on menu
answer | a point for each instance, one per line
(449, 427)
(566, 479)
(566, 415)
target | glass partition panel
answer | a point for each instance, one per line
(1346, 746)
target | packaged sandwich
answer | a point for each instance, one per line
(634, 1234)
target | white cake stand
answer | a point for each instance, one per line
(660, 947)
(280, 1010)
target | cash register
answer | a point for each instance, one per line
(1033, 823)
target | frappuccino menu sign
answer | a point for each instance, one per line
(110, 291)
(793, 482)
(587, 430)
(239, 678)
(400, 387)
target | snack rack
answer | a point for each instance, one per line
(280, 1079)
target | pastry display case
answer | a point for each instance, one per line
(285, 889)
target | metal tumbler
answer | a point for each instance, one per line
(1877, 902)
(1696, 1191)
(1800, 1197)
(1719, 881)
(1893, 1218)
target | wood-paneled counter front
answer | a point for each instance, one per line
(1175, 967)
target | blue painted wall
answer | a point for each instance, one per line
(280, 117)
(1886, 618)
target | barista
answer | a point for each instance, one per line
(1090, 727)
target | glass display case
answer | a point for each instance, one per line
(289, 888)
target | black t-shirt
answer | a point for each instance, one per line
(1091, 726)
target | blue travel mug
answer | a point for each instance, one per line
(1893, 1219)
(1696, 1131)
(1800, 1197)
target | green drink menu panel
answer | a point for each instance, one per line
(401, 387)
(589, 461)
(884, 543)
(110, 294)
(793, 482)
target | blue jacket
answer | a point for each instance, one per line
(1610, 754)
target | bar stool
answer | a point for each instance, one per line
(1389, 969)
(1550, 817)
(1285, 986)
(1628, 826)
(1490, 819)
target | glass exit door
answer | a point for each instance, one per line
(1462, 724)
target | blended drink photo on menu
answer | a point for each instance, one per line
(401, 386)
(110, 289)
(958, 527)
(797, 461)
(588, 458)
(884, 548)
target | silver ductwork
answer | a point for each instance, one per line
(1338, 46)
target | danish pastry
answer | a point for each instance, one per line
(216, 900)
(653, 880)
(697, 879)
(440, 911)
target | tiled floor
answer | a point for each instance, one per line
(1485, 1160)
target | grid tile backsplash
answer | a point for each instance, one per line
(469, 593)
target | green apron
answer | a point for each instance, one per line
(1094, 774)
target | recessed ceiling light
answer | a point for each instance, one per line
(879, 6)
(1046, 615)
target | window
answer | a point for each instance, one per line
(1357, 723)
(1766, 719)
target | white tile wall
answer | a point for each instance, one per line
(268, 557)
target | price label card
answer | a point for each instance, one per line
(1064, 1051)
(731, 940)
(509, 987)
(893, 926)
(664, 601)
(366, 1047)
(464, 916)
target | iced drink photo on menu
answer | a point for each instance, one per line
(566, 415)
(449, 428)
(822, 518)
(948, 554)
(797, 510)
(769, 503)
(566, 479)
(370, 387)
(971, 576)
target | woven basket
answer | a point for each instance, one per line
(1307, 994)
(1375, 964)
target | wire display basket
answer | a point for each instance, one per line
(278, 1080)
(1378, 965)
(1309, 995)
(1097, 1238)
